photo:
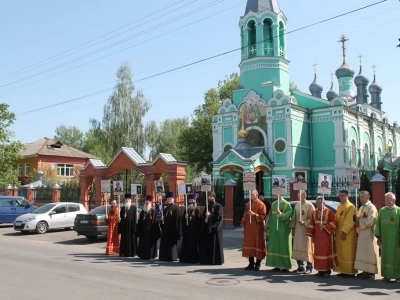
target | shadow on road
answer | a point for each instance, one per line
(81, 240)
(325, 284)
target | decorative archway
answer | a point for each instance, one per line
(128, 159)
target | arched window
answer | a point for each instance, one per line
(252, 38)
(281, 39)
(379, 153)
(255, 138)
(268, 38)
(366, 156)
(227, 148)
(353, 153)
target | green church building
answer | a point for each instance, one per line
(270, 130)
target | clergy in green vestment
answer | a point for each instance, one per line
(279, 251)
(387, 231)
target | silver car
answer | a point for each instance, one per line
(49, 216)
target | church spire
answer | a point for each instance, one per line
(258, 6)
(361, 81)
(345, 73)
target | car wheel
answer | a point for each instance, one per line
(42, 227)
(91, 237)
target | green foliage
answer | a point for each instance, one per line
(293, 87)
(165, 138)
(196, 141)
(122, 123)
(9, 150)
(71, 136)
(398, 187)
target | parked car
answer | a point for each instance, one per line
(49, 216)
(12, 207)
(93, 224)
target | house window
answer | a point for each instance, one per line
(65, 170)
(27, 169)
(19, 168)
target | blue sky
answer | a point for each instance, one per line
(35, 31)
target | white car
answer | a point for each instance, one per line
(49, 216)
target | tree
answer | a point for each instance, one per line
(71, 136)
(293, 87)
(9, 151)
(122, 123)
(165, 138)
(196, 143)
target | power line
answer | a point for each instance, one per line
(40, 63)
(202, 60)
(118, 42)
(108, 55)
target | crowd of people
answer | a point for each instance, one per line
(189, 236)
(346, 242)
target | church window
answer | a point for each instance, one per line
(227, 148)
(280, 146)
(281, 39)
(353, 153)
(252, 47)
(255, 138)
(379, 153)
(366, 157)
(268, 38)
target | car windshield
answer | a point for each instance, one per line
(333, 204)
(44, 209)
(22, 202)
(99, 210)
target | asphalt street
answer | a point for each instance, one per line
(61, 265)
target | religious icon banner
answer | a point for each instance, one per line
(279, 185)
(300, 181)
(324, 184)
(118, 187)
(159, 187)
(206, 183)
(354, 179)
(105, 186)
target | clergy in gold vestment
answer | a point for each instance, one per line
(346, 236)
(302, 245)
(367, 248)
(254, 238)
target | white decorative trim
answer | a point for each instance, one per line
(264, 66)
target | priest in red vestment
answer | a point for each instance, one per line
(113, 239)
(253, 222)
(323, 236)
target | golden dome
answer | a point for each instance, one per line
(243, 133)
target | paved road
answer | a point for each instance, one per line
(60, 265)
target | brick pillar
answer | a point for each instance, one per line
(30, 194)
(9, 190)
(294, 195)
(56, 193)
(229, 208)
(378, 190)
(97, 199)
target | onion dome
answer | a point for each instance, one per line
(374, 87)
(344, 71)
(243, 133)
(332, 94)
(361, 79)
(315, 86)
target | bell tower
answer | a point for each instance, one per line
(264, 66)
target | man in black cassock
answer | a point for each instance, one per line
(127, 228)
(211, 245)
(147, 230)
(170, 231)
(191, 226)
